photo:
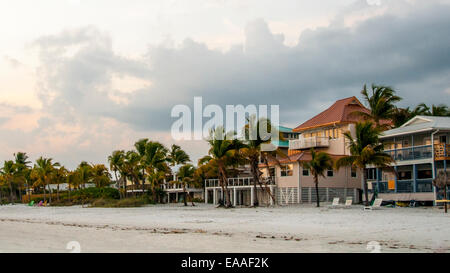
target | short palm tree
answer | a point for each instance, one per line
(319, 164)
(223, 150)
(59, 177)
(252, 151)
(434, 110)
(42, 172)
(185, 177)
(8, 172)
(381, 103)
(155, 161)
(100, 175)
(365, 149)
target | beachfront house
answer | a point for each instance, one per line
(285, 177)
(420, 148)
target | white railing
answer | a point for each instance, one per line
(308, 142)
(238, 181)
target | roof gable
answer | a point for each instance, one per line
(340, 111)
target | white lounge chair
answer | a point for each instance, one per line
(348, 203)
(335, 203)
(376, 204)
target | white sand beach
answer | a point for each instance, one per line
(204, 228)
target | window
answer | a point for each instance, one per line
(372, 174)
(287, 170)
(330, 173)
(354, 174)
(424, 174)
(305, 172)
(404, 175)
(272, 172)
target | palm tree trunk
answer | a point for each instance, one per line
(10, 192)
(50, 193)
(366, 194)
(45, 199)
(316, 181)
(57, 192)
(185, 195)
(225, 186)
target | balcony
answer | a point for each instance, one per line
(404, 186)
(308, 142)
(238, 182)
(411, 153)
(442, 151)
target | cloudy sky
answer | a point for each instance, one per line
(81, 78)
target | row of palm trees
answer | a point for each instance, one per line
(18, 176)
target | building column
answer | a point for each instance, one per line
(309, 195)
(415, 178)
(206, 196)
(327, 191)
(396, 178)
(176, 196)
(252, 198)
(234, 196)
(271, 191)
(214, 196)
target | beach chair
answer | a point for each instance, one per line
(335, 203)
(31, 204)
(40, 203)
(45, 203)
(376, 204)
(348, 203)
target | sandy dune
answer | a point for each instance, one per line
(204, 228)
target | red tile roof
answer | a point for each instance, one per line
(340, 112)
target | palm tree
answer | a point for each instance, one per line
(381, 103)
(156, 163)
(59, 177)
(177, 156)
(252, 149)
(22, 170)
(100, 176)
(140, 146)
(185, 177)
(434, 110)
(130, 167)
(320, 162)
(84, 171)
(8, 172)
(365, 149)
(42, 171)
(115, 164)
(223, 151)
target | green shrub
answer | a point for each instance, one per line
(94, 193)
(123, 203)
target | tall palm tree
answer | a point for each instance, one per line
(115, 164)
(100, 175)
(365, 149)
(185, 177)
(8, 172)
(140, 147)
(381, 103)
(223, 151)
(319, 164)
(22, 170)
